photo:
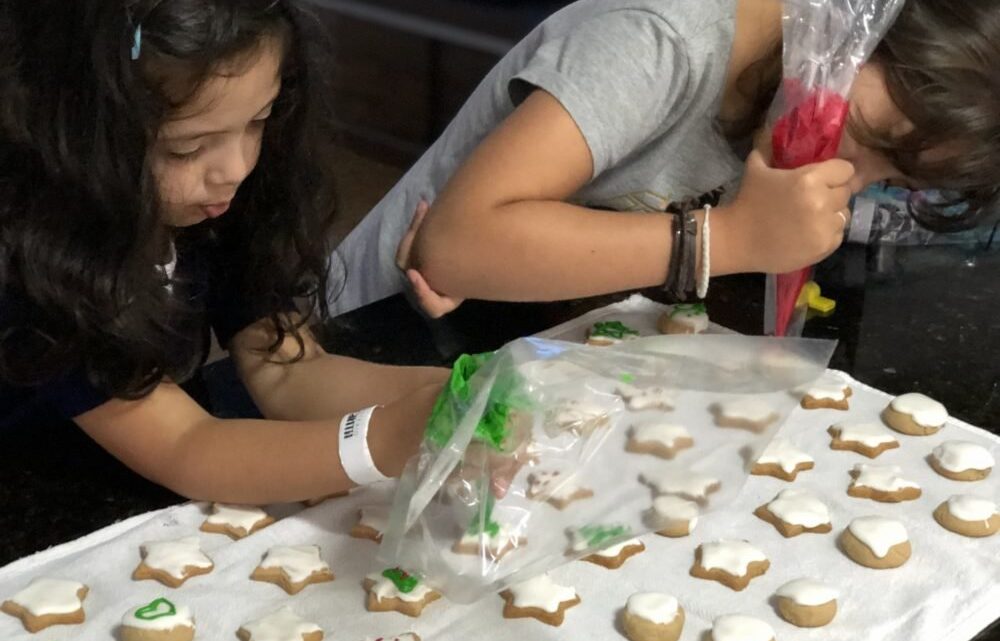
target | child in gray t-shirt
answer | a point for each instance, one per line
(636, 106)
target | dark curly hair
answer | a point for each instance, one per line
(941, 62)
(80, 230)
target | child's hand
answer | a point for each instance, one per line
(782, 220)
(435, 304)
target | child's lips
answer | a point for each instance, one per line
(216, 210)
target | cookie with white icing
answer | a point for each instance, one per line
(638, 399)
(807, 603)
(606, 333)
(539, 598)
(596, 537)
(782, 460)
(867, 439)
(969, 515)
(746, 413)
(236, 521)
(652, 616)
(281, 625)
(883, 483)
(158, 620)
(664, 440)
(556, 489)
(494, 541)
(47, 602)
(395, 590)
(684, 318)
(795, 511)
(614, 556)
(915, 414)
(737, 627)
(673, 516)
(683, 483)
(172, 562)
(323, 499)
(829, 392)
(876, 542)
(962, 461)
(732, 563)
(373, 520)
(293, 567)
(577, 417)
(406, 636)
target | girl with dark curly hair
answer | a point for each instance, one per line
(164, 171)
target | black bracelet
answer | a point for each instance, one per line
(690, 257)
(673, 269)
(683, 279)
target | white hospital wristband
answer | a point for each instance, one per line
(355, 456)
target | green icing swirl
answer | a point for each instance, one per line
(688, 309)
(403, 581)
(613, 329)
(151, 612)
(597, 535)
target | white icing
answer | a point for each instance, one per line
(541, 592)
(924, 410)
(281, 625)
(575, 413)
(736, 627)
(733, 557)
(808, 592)
(799, 507)
(681, 482)
(663, 433)
(639, 399)
(298, 561)
(674, 509)
(880, 534)
(959, 456)
(827, 388)
(616, 549)
(376, 517)
(868, 434)
(965, 507)
(748, 409)
(505, 537)
(182, 617)
(50, 596)
(781, 452)
(696, 320)
(174, 556)
(238, 516)
(386, 589)
(881, 477)
(552, 484)
(653, 607)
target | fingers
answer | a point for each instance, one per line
(406, 244)
(836, 173)
(419, 214)
(756, 160)
(433, 303)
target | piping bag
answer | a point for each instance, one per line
(825, 44)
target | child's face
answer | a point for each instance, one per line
(212, 143)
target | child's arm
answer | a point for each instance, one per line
(168, 438)
(501, 230)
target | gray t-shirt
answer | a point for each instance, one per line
(643, 80)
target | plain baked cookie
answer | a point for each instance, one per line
(732, 563)
(747, 413)
(610, 333)
(829, 392)
(737, 627)
(807, 603)
(782, 460)
(867, 439)
(876, 542)
(47, 602)
(673, 516)
(614, 557)
(555, 489)
(172, 562)
(651, 616)
(397, 591)
(280, 624)
(915, 414)
(293, 567)
(882, 483)
(664, 440)
(373, 520)
(236, 521)
(794, 511)
(962, 461)
(158, 620)
(969, 516)
(684, 318)
(539, 598)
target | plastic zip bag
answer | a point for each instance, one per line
(527, 464)
(825, 44)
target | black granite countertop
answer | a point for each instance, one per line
(917, 319)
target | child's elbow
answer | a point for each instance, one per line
(438, 252)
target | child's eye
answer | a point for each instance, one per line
(183, 155)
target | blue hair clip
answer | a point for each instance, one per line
(137, 43)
